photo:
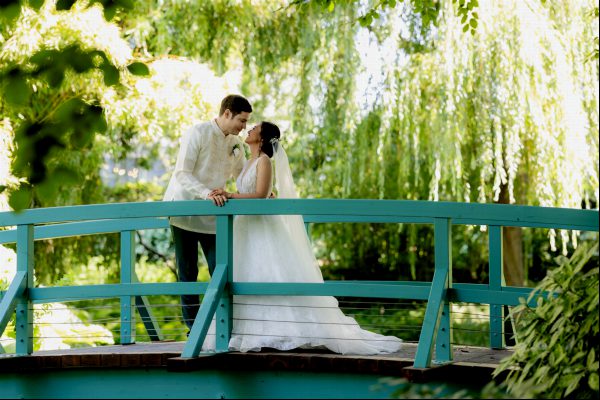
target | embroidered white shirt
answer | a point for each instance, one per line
(206, 161)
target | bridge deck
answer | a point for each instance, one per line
(470, 363)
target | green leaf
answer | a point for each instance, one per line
(110, 12)
(593, 381)
(63, 5)
(591, 358)
(10, 11)
(48, 188)
(3, 188)
(111, 74)
(20, 199)
(473, 23)
(138, 68)
(44, 58)
(17, 91)
(573, 384)
(65, 175)
(80, 61)
(55, 76)
(35, 4)
(331, 6)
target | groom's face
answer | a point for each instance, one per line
(235, 124)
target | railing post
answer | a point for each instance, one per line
(443, 255)
(437, 318)
(496, 281)
(127, 276)
(24, 306)
(217, 299)
(224, 314)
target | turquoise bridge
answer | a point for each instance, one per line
(434, 346)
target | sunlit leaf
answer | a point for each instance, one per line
(138, 68)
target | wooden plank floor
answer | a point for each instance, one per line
(470, 363)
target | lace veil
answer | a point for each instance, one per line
(284, 182)
(286, 189)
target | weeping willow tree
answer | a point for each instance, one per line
(505, 112)
(397, 108)
(508, 114)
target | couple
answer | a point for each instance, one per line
(271, 248)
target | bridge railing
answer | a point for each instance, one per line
(38, 224)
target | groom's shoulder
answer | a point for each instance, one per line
(200, 128)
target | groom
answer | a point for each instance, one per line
(210, 153)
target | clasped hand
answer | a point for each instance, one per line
(219, 197)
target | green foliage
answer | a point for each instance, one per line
(51, 94)
(467, 11)
(454, 117)
(556, 355)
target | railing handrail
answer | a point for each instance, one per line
(318, 210)
(126, 218)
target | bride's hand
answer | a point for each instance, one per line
(219, 192)
(218, 199)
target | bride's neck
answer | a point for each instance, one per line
(255, 152)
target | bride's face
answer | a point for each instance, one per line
(254, 134)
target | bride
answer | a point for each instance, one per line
(276, 248)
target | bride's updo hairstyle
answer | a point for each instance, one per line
(270, 135)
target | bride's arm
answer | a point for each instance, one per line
(264, 174)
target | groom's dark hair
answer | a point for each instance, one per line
(236, 104)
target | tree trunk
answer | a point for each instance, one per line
(512, 249)
(514, 273)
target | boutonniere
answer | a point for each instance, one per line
(235, 150)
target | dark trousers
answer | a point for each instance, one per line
(186, 257)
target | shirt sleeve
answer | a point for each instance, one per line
(189, 151)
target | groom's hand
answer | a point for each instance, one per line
(219, 200)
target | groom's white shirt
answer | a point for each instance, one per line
(206, 161)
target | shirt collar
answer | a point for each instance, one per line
(218, 130)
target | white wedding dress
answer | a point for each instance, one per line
(277, 249)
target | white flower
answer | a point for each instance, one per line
(235, 151)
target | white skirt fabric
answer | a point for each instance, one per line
(277, 249)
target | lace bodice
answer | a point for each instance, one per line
(246, 181)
